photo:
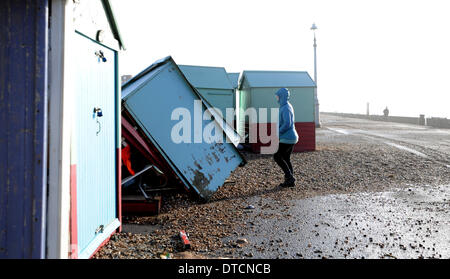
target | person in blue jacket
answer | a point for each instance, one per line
(287, 135)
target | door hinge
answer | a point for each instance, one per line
(99, 229)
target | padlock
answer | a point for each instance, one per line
(101, 56)
(98, 111)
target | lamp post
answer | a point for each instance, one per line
(316, 100)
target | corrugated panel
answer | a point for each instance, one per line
(207, 77)
(150, 98)
(23, 118)
(95, 139)
(278, 79)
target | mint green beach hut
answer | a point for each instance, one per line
(214, 85)
(257, 90)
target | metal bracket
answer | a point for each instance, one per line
(140, 183)
(99, 229)
(101, 56)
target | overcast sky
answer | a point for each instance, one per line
(388, 53)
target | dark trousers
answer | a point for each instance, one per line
(283, 158)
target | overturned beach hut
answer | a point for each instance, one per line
(213, 84)
(60, 115)
(192, 138)
(257, 90)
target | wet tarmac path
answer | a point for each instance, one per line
(426, 142)
(405, 222)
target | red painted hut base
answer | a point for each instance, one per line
(305, 130)
(139, 206)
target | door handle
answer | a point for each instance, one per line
(99, 128)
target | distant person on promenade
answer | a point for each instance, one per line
(288, 137)
(386, 112)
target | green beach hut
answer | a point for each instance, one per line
(257, 89)
(214, 85)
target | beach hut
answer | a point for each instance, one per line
(257, 90)
(214, 85)
(60, 136)
(202, 162)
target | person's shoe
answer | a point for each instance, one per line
(290, 182)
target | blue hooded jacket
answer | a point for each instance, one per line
(286, 126)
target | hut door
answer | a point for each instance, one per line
(94, 143)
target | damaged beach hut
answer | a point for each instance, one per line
(257, 90)
(188, 136)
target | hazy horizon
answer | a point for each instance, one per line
(387, 53)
